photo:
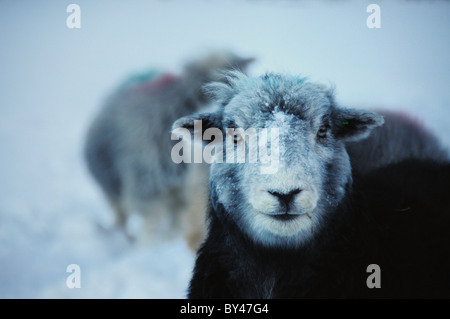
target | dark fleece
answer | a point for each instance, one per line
(397, 217)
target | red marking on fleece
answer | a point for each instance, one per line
(409, 119)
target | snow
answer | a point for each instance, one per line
(53, 80)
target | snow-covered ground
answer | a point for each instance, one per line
(53, 80)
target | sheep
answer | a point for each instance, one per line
(129, 157)
(401, 137)
(310, 229)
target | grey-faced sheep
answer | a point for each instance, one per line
(311, 228)
(128, 153)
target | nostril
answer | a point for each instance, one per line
(285, 198)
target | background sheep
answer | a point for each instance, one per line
(400, 137)
(306, 230)
(128, 151)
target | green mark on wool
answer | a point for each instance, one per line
(140, 78)
(344, 122)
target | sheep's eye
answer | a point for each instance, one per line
(237, 138)
(322, 132)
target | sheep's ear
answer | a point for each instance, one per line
(195, 122)
(240, 63)
(353, 125)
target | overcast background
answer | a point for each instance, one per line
(54, 79)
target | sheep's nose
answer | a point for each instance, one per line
(285, 198)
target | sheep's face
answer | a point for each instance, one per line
(284, 201)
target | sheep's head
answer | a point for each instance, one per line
(305, 131)
(210, 68)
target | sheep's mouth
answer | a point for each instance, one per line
(285, 217)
